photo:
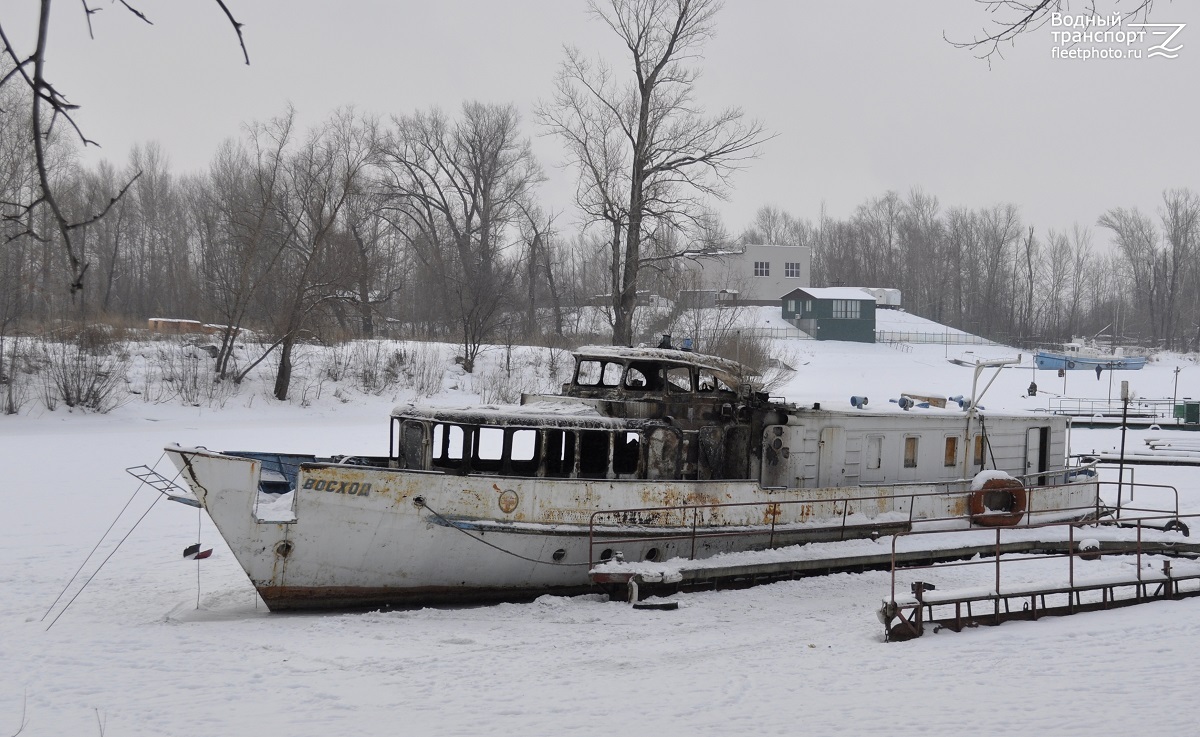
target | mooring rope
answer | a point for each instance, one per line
(450, 524)
(106, 559)
(199, 522)
(98, 543)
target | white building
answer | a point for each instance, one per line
(756, 274)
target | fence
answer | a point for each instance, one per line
(896, 336)
(1139, 408)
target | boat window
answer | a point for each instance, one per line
(523, 455)
(708, 381)
(626, 454)
(644, 375)
(448, 443)
(951, 451)
(979, 448)
(910, 451)
(523, 445)
(680, 379)
(559, 452)
(589, 373)
(491, 444)
(488, 449)
(874, 451)
(593, 454)
(598, 373)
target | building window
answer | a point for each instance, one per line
(979, 450)
(792, 306)
(808, 305)
(846, 309)
(910, 452)
(791, 269)
(762, 268)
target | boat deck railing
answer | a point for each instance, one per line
(612, 527)
(1163, 409)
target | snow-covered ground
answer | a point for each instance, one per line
(156, 645)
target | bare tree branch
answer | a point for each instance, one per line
(1013, 18)
(44, 94)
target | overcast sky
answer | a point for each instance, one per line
(863, 96)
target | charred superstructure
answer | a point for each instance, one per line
(651, 414)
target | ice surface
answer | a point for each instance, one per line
(161, 646)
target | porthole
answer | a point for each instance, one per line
(652, 554)
(559, 554)
(607, 554)
(283, 549)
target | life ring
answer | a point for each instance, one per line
(1000, 503)
(1070, 364)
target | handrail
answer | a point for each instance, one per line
(1139, 522)
(693, 531)
(1081, 407)
(1132, 486)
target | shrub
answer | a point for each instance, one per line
(83, 373)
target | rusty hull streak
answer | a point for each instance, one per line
(195, 482)
(300, 598)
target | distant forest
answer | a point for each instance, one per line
(320, 228)
(987, 272)
(325, 227)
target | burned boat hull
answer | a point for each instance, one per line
(361, 536)
(651, 454)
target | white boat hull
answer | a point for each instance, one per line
(368, 537)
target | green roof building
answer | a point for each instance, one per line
(832, 313)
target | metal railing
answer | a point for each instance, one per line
(689, 523)
(1134, 547)
(900, 336)
(773, 333)
(1138, 408)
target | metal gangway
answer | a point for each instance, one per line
(1137, 556)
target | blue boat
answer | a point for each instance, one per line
(1078, 357)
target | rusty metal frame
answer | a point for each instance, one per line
(905, 620)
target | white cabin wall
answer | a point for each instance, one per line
(1006, 437)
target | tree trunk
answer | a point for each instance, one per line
(531, 287)
(283, 379)
(555, 298)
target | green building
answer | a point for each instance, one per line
(832, 313)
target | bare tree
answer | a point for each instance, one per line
(318, 179)
(454, 188)
(1137, 240)
(1181, 236)
(242, 235)
(644, 151)
(48, 106)
(537, 234)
